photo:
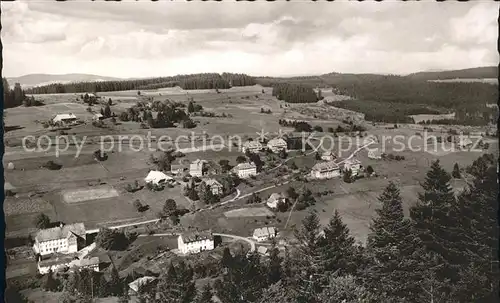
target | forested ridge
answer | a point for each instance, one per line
(446, 251)
(193, 81)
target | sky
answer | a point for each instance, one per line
(149, 39)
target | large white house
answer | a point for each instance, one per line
(64, 239)
(64, 119)
(252, 147)
(264, 233)
(157, 177)
(276, 145)
(196, 168)
(215, 186)
(195, 242)
(325, 170)
(246, 170)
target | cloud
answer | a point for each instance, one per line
(165, 38)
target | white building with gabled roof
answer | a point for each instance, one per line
(245, 170)
(325, 170)
(264, 233)
(277, 144)
(354, 165)
(157, 177)
(196, 168)
(195, 242)
(252, 146)
(214, 185)
(274, 199)
(67, 119)
(63, 239)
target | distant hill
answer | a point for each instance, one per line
(31, 80)
(486, 72)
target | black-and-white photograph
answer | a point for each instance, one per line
(250, 152)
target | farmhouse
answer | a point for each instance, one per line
(252, 147)
(374, 154)
(157, 177)
(264, 233)
(63, 239)
(354, 165)
(215, 186)
(195, 242)
(69, 262)
(196, 168)
(98, 117)
(328, 156)
(275, 199)
(276, 145)
(325, 170)
(141, 283)
(246, 170)
(177, 169)
(64, 119)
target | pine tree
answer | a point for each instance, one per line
(391, 244)
(205, 296)
(476, 235)
(177, 284)
(433, 224)
(274, 271)
(49, 283)
(337, 247)
(456, 171)
(309, 268)
(107, 111)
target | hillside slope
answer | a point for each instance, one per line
(31, 80)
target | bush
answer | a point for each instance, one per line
(51, 165)
(42, 221)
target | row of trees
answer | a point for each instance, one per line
(294, 93)
(193, 81)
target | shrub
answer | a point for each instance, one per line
(51, 165)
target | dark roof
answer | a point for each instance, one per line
(196, 236)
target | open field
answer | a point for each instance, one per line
(248, 212)
(81, 195)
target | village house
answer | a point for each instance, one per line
(264, 233)
(195, 242)
(68, 262)
(196, 168)
(215, 186)
(374, 154)
(140, 284)
(325, 170)
(157, 177)
(177, 169)
(328, 156)
(275, 199)
(352, 164)
(64, 119)
(252, 147)
(277, 144)
(245, 170)
(98, 117)
(64, 239)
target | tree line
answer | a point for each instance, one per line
(294, 93)
(193, 81)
